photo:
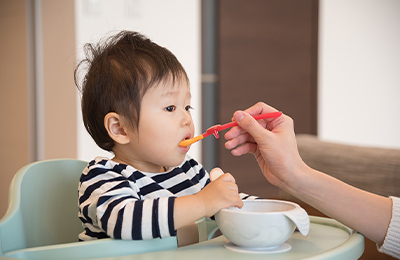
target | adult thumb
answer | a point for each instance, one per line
(248, 123)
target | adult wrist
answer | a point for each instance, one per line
(299, 180)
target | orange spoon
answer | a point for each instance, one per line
(215, 129)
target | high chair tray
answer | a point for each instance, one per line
(327, 239)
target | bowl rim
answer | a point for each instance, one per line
(234, 209)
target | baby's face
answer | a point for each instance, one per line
(165, 120)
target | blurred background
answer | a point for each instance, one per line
(333, 65)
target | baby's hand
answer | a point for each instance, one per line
(215, 173)
(221, 193)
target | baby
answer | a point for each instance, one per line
(136, 104)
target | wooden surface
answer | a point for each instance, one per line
(267, 52)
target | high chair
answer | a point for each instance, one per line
(42, 217)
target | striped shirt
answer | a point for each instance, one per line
(116, 200)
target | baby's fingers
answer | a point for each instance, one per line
(227, 177)
(231, 198)
(239, 203)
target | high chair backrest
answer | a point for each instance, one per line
(43, 205)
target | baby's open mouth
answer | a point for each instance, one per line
(183, 143)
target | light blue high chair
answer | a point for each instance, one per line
(42, 222)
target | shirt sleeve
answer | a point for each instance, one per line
(126, 217)
(244, 196)
(391, 244)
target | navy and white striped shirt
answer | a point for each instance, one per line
(118, 201)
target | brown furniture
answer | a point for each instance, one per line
(267, 51)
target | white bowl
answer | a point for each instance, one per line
(262, 223)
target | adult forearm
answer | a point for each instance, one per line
(363, 211)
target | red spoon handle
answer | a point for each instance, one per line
(215, 129)
(257, 117)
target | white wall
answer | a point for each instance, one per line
(359, 72)
(174, 24)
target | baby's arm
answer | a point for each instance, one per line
(219, 194)
(126, 217)
(112, 204)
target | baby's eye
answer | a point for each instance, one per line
(170, 108)
(188, 108)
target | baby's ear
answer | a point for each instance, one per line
(115, 128)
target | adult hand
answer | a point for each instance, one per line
(272, 141)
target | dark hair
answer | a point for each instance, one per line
(119, 71)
